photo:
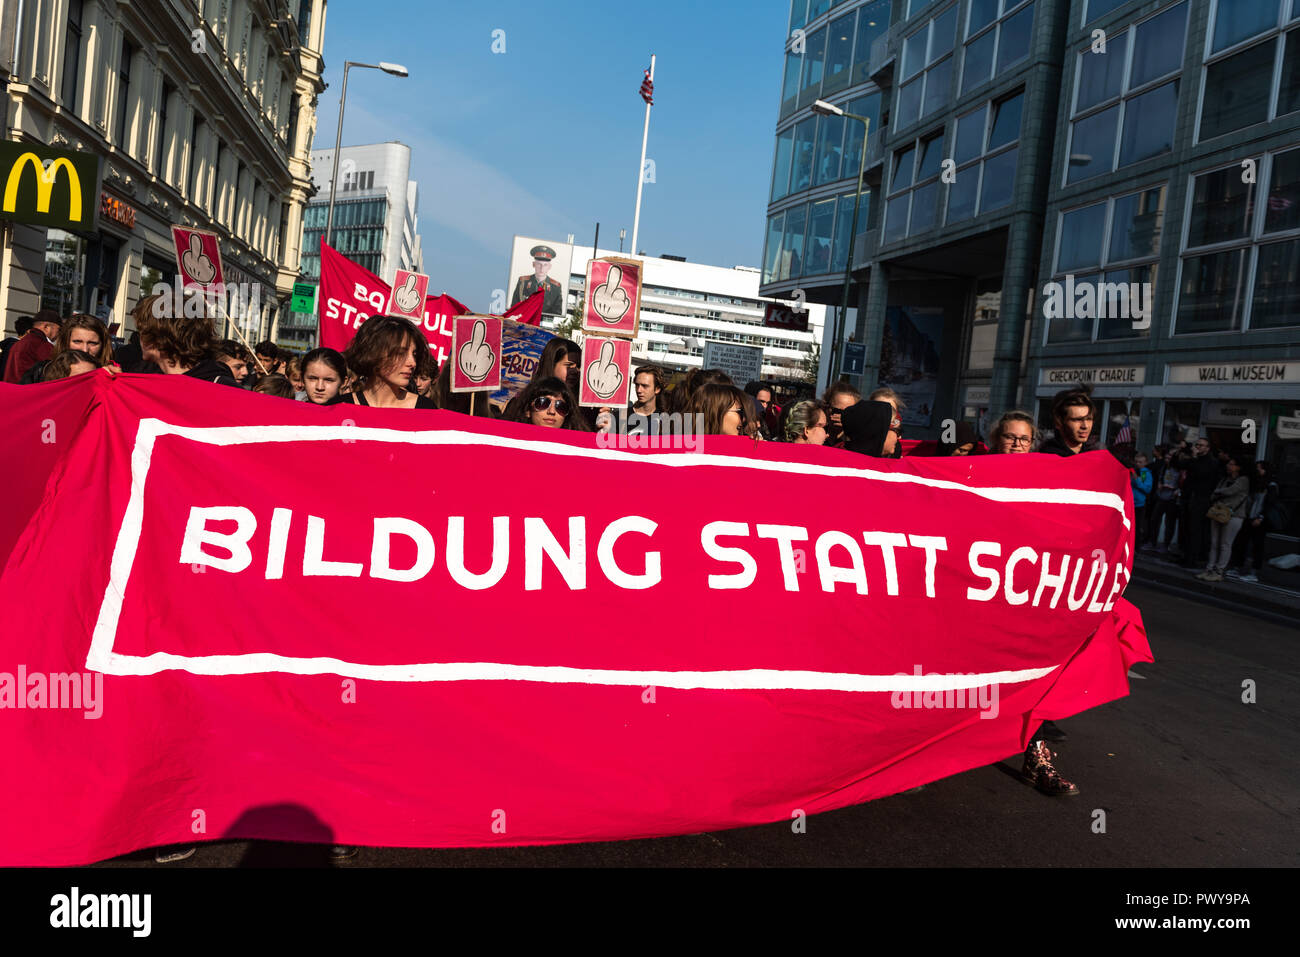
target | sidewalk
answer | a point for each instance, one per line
(1271, 602)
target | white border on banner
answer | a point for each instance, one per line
(101, 656)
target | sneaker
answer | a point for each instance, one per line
(1206, 576)
(170, 855)
(1038, 772)
(344, 852)
(1213, 576)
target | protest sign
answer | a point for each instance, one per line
(828, 584)
(407, 296)
(606, 372)
(198, 259)
(613, 304)
(743, 364)
(350, 294)
(521, 350)
(476, 350)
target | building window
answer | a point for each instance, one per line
(873, 20)
(124, 92)
(196, 160)
(304, 21)
(1121, 121)
(772, 248)
(814, 62)
(796, 220)
(160, 162)
(781, 164)
(997, 32)
(1240, 84)
(1113, 248)
(839, 54)
(986, 151)
(1236, 21)
(790, 87)
(1099, 8)
(68, 89)
(804, 150)
(1240, 267)
(830, 148)
(925, 69)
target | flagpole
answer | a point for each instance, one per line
(640, 170)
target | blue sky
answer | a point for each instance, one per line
(544, 139)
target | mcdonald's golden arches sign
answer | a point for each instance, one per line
(46, 186)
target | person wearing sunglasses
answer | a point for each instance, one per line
(1014, 433)
(550, 403)
(724, 409)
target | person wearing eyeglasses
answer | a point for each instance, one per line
(549, 403)
(1014, 432)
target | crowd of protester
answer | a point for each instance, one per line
(1188, 499)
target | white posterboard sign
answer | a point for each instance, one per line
(743, 363)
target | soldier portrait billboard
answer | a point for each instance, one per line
(538, 264)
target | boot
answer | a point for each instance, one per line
(1039, 772)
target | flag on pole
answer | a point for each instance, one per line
(1125, 434)
(648, 89)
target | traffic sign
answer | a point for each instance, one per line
(855, 358)
(304, 297)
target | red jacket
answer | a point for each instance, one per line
(27, 351)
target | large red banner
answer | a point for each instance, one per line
(350, 294)
(258, 618)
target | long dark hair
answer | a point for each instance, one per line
(381, 340)
(554, 388)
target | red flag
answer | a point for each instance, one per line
(648, 89)
(351, 294)
(820, 686)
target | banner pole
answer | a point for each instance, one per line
(640, 170)
(239, 332)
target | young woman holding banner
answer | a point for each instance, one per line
(386, 355)
(561, 358)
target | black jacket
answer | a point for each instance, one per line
(1056, 446)
(210, 370)
(1202, 475)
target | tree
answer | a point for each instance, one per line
(811, 362)
(570, 326)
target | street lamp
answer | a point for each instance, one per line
(396, 69)
(830, 109)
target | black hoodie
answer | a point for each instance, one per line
(866, 426)
(210, 370)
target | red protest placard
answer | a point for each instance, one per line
(406, 298)
(613, 306)
(606, 371)
(476, 350)
(198, 258)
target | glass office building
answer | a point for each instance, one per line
(1093, 190)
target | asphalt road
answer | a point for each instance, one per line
(1187, 774)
